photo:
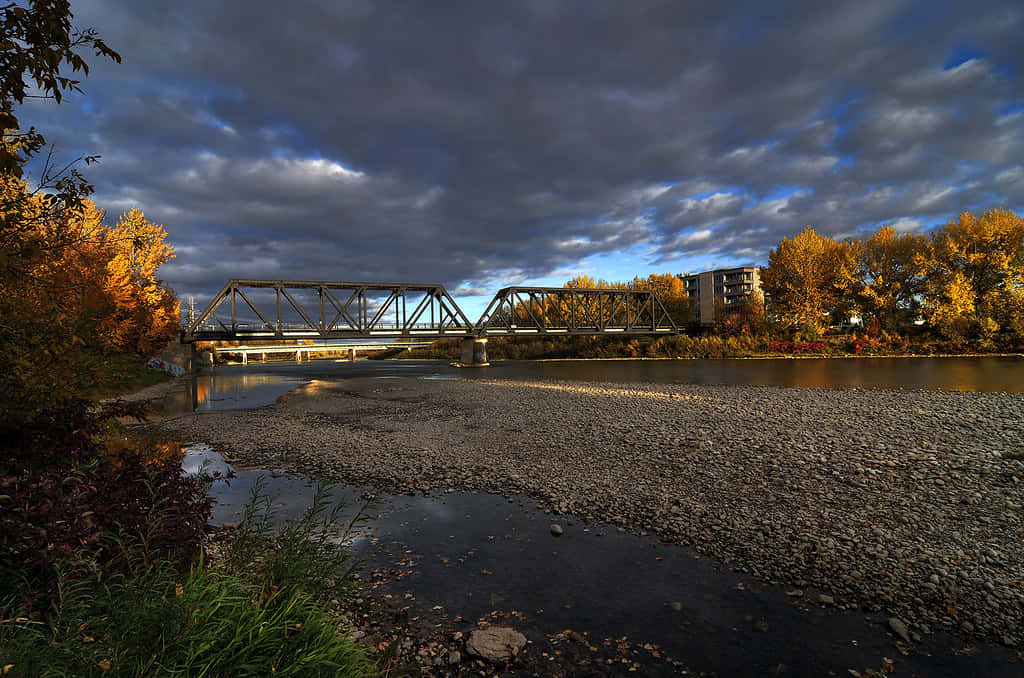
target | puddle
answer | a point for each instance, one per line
(475, 553)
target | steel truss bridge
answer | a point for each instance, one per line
(270, 310)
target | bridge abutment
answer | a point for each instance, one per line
(474, 352)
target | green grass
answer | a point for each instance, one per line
(262, 610)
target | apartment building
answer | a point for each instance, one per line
(726, 286)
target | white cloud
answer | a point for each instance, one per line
(746, 156)
(1010, 176)
(932, 198)
(696, 237)
(905, 225)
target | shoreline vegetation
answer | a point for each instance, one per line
(709, 347)
(109, 567)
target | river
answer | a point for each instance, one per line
(259, 384)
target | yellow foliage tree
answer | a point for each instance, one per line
(809, 279)
(973, 268)
(46, 337)
(145, 312)
(888, 275)
(71, 290)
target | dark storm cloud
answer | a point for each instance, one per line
(478, 144)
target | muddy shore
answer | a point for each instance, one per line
(907, 504)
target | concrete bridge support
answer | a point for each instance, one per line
(474, 352)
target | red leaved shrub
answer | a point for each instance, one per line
(62, 492)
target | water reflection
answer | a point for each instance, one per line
(220, 390)
(257, 385)
(955, 374)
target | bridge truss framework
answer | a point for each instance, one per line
(569, 310)
(337, 310)
(348, 310)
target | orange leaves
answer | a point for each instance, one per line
(143, 313)
(71, 289)
(974, 275)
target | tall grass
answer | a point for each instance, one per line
(261, 610)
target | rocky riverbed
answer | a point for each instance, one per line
(907, 504)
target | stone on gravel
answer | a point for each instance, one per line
(557, 530)
(897, 626)
(495, 643)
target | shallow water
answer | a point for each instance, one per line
(475, 553)
(233, 387)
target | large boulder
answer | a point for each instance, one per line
(495, 643)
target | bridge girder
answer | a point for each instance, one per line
(411, 311)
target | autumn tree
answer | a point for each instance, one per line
(88, 290)
(39, 47)
(809, 279)
(745, 316)
(888, 276)
(974, 270)
(144, 313)
(41, 332)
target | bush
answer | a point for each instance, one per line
(798, 347)
(261, 610)
(62, 491)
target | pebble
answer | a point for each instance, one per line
(757, 477)
(899, 627)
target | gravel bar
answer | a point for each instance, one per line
(907, 503)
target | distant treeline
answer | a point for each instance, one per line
(710, 345)
(958, 290)
(964, 282)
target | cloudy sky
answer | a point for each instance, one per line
(483, 144)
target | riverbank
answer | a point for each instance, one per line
(716, 346)
(902, 503)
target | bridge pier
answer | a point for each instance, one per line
(474, 352)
